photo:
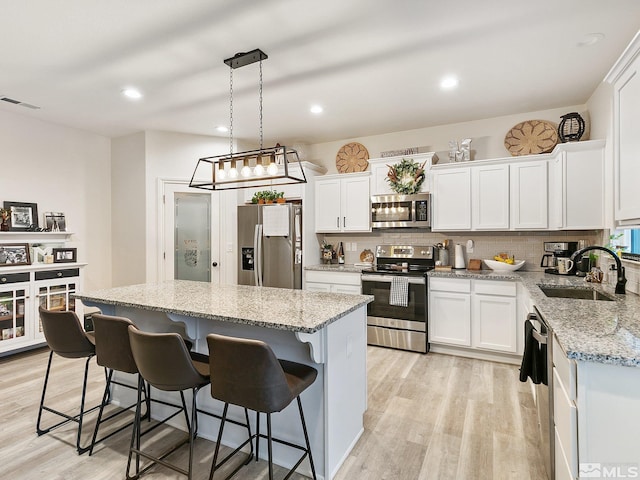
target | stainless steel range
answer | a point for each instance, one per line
(397, 317)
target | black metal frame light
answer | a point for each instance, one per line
(261, 167)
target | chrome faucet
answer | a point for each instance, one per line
(622, 280)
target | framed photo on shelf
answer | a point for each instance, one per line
(23, 216)
(55, 222)
(12, 254)
(64, 255)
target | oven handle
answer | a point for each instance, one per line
(539, 337)
(389, 278)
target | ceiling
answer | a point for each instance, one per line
(375, 66)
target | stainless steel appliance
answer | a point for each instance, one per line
(270, 245)
(555, 250)
(541, 339)
(401, 211)
(388, 324)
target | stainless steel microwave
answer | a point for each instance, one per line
(401, 211)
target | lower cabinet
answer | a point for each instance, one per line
(334, 282)
(477, 314)
(25, 289)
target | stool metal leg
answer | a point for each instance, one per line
(68, 418)
(306, 438)
(270, 446)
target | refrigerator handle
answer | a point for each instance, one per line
(259, 245)
(256, 255)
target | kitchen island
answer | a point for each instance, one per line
(324, 330)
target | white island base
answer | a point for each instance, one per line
(334, 405)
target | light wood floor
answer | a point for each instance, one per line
(429, 417)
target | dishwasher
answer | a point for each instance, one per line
(538, 346)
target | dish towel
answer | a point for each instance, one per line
(534, 360)
(399, 295)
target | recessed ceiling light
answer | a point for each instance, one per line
(222, 129)
(449, 82)
(590, 39)
(316, 109)
(132, 93)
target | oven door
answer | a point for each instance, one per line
(394, 326)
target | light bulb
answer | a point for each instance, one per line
(221, 173)
(272, 169)
(246, 171)
(258, 170)
(386, 210)
(233, 171)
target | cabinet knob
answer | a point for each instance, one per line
(59, 274)
(3, 279)
(214, 264)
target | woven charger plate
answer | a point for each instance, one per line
(531, 137)
(352, 157)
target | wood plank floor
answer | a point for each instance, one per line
(429, 417)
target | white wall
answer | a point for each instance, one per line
(129, 209)
(66, 170)
(487, 137)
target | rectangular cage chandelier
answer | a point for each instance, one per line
(279, 165)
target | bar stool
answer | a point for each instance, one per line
(65, 337)
(164, 361)
(247, 373)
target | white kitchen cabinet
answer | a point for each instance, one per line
(379, 168)
(23, 289)
(480, 315)
(450, 311)
(494, 316)
(343, 203)
(490, 197)
(576, 187)
(625, 77)
(332, 281)
(451, 199)
(529, 195)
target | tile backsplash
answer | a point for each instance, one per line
(526, 246)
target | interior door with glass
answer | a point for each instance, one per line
(190, 234)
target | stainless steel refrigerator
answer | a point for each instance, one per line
(270, 245)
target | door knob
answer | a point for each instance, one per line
(214, 264)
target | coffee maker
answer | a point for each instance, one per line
(555, 250)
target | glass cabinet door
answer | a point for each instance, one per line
(56, 297)
(12, 314)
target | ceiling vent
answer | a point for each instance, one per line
(18, 102)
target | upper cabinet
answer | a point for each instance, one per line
(576, 187)
(625, 77)
(528, 199)
(558, 191)
(380, 167)
(342, 203)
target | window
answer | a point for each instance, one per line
(627, 240)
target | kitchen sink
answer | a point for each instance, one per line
(580, 293)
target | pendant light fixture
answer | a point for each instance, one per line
(272, 166)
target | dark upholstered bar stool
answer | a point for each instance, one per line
(113, 351)
(65, 337)
(164, 361)
(247, 373)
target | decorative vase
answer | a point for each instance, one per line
(4, 226)
(281, 200)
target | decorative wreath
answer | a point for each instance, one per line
(406, 177)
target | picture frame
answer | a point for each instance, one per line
(65, 255)
(23, 216)
(12, 254)
(55, 222)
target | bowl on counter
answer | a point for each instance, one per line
(502, 266)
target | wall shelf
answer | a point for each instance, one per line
(34, 237)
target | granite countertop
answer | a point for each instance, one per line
(588, 330)
(279, 308)
(335, 267)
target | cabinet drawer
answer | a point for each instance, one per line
(566, 370)
(62, 273)
(562, 468)
(342, 278)
(461, 285)
(565, 420)
(14, 278)
(495, 287)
